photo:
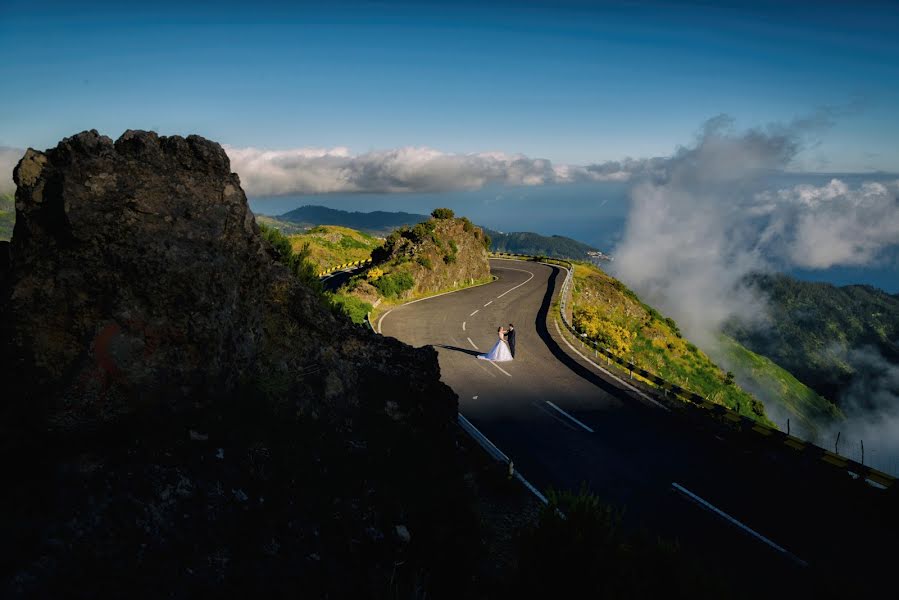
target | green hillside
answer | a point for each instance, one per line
(331, 245)
(376, 223)
(525, 242)
(776, 387)
(612, 315)
(812, 325)
(7, 215)
(284, 227)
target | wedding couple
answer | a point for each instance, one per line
(504, 349)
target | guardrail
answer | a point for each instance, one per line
(692, 399)
(355, 263)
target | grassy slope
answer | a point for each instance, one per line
(7, 215)
(331, 245)
(282, 226)
(652, 341)
(806, 409)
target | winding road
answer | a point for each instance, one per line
(566, 423)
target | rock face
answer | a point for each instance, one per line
(179, 403)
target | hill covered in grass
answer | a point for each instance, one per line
(7, 215)
(331, 245)
(375, 223)
(525, 242)
(813, 326)
(612, 315)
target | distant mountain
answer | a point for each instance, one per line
(814, 325)
(555, 246)
(377, 223)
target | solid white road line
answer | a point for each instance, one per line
(463, 325)
(488, 304)
(708, 506)
(569, 416)
(472, 344)
(382, 318)
(612, 375)
(517, 286)
(474, 313)
(428, 298)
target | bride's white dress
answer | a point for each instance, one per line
(500, 352)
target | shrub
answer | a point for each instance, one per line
(425, 262)
(604, 332)
(442, 213)
(351, 307)
(467, 225)
(487, 241)
(374, 274)
(449, 258)
(394, 284)
(453, 247)
(298, 263)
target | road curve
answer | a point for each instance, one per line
(565, 424)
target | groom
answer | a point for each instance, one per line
(510, 337)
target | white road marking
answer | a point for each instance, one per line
(382, 318)
(474, 313)
(569, 416)
(473, 344)
(463, 325)
(517, 286)
(708, 506)
(488, 304)
(612, 375)
(474, 397)
(428, 298)
(499, 367)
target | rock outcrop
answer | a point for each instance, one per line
(182, 415)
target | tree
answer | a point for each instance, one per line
(442, 213)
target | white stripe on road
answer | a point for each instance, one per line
(499, 367)
(382, 318)
(569, 416)
(472, 344)
(463, 325)
(612, 375)
(721, 513)
(488, 304)
(517, 286)
(474, 313)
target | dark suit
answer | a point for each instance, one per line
(510, 337)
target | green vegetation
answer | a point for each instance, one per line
(582, 544)
(7, 215)
(330, 245)
(773, 384)
(350, 306)
(555, 246)
(442, 213)
(284, 227)
(378, 223)
(392, 285)
(813, 325)
(612, 315)
(298, 262)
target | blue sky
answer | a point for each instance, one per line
(575, 83)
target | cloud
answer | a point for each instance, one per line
(9, 158)
(320, 170)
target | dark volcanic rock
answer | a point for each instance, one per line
(186, 417)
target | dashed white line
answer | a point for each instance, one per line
(708, 506)
(474, 313)
(473, 344)
(612, 375)
(488, 304)
(500, 368)
(570, 417)
(517, 286)
(463, 325)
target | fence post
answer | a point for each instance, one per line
(836, 445)
(862, 442)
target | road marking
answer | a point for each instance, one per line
(430, 298)
(474, 397)
(472, 344)
(382, 318)
(612, 375)
(569, 416)
(488, 304)
(474, 313)
(499, 367)
(463, 325)
(517, 286)
(708, 506)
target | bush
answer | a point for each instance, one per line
(374, 274)
(298, 263)
(607, 334)
(425, 262)
(487, 241)
(394, 284)
(442, 213)
(351, 307)
(453, 247)
(467, 225)
(449, 258)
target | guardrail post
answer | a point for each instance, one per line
(511, 469)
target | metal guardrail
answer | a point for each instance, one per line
(355, 263)
(721, 413)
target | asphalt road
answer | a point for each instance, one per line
(566, 424)
(336, 279)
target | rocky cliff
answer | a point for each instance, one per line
(183, 417)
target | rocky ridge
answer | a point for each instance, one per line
(183, 416)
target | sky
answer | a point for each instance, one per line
(574, 83)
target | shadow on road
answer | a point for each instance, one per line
(457, 349)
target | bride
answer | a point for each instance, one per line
(500, 350)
